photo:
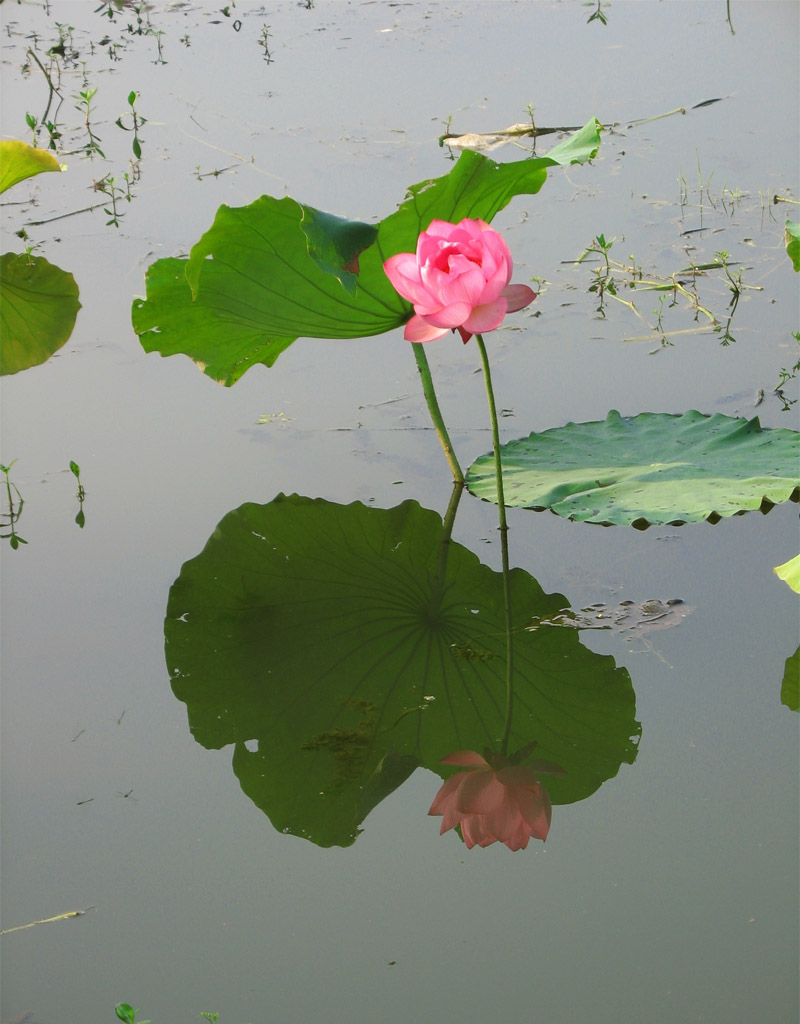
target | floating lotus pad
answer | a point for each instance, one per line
(650, 469)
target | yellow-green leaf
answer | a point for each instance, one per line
(789, 572)
(18, 161)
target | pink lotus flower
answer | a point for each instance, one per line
(502, 803)
(458, 279)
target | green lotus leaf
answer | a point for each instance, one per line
(335, 244)
(38, 307)
(476, 187)
(650, 469)
(171, 322)
(793, 242)
(789, 572)
(790, 688)
(265, 274)
(254, 264)
(19, 161)
(339, 647)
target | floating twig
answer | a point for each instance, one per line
(48, 920)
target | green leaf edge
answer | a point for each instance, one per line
(793, 243)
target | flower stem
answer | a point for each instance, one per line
(434, 410)
(498, 470)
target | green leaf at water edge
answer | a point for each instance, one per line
(329, 644)
(793, 243)
(789, 572)
(19, 161)
(38, 307)
(265, 274)
(790, 688)
(650, 469)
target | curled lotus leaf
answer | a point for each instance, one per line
(275, 270)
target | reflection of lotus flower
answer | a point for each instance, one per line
(495, 802)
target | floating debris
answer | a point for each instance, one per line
(626, 617)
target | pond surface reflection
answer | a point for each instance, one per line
(310, 881)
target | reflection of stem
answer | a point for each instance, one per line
(49, 83)
(437, 586)
(433, 409)
(498, 469)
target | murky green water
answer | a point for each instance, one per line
(669, 893)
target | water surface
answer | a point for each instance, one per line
(670, 894)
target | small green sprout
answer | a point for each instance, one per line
(138, 121)
(13, 513)
(84, 105)
(75, 469)
(597, 14)
(785, 375)
(264, 41)
(126, 1013)
(116, 193)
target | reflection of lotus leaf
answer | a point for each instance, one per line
(325, 643)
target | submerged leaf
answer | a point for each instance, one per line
(650, 469)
